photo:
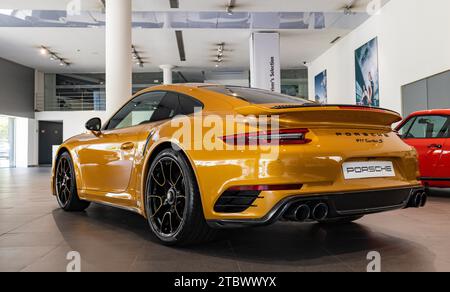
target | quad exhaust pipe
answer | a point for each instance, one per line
(304, 212)
(320, 212)
(300, 213)
(418, 200)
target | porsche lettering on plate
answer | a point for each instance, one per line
(368, 169)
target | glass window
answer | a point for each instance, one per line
(167, 108)
(446, 130)
(7, 158)
(404, 130)
(428, 127)
(138, 111)
(189, 105)
(257, 96)
(72, 92)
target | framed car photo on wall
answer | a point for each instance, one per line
(367, 74)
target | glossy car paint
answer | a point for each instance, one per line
(434, 162)
(110, 173)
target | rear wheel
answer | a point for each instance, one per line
(341, 221)
(66, 186)
(173, 202)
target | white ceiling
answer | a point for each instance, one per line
(195, 5)
(85, 47)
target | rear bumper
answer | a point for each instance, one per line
(441, 182)
(339, 204)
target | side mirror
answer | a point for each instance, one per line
(94, 125)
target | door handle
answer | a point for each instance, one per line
(127, 146)
(437, 146)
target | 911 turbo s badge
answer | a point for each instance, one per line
(368, 169)
(363, 137)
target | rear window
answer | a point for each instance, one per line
(257, 96)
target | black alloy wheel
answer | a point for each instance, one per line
(65, 185)
(167, 198)
(173, 205)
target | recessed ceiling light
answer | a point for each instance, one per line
(53, 56)
(335, 40)
(136, 56)
(220, 54)
(43, 51)
(229, 10)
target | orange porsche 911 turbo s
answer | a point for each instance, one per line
(195, 158)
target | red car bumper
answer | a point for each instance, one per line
(436, 182)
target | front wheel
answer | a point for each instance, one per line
(66, 186)
(173, 204)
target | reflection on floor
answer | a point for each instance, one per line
(36, 236)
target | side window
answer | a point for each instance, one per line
(405, 128)
(138, 111)
(189, 105)
(168, 108)
(446, 129)
(428, 127)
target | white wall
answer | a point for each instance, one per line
(73, 122)
(21, 142)
(26, 150)
(414, 43)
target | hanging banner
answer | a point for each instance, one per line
(265, 68)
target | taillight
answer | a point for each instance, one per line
(279, 137)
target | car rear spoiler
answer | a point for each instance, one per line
(326, 114)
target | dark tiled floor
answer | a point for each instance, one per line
(36, 236)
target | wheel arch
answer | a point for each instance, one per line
(61, 150)
(155, 150)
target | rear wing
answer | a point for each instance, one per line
(326, 114)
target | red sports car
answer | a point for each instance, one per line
(428, 132)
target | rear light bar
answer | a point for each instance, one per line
(263, 188)
(279, 137)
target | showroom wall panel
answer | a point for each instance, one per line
(439, 91)
(429, 93)
(414, 97)
(414, 43)
(16, 90)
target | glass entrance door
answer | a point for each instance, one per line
(7, 157)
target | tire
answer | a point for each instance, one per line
(66, 186)
(341, 221)
(171, 189)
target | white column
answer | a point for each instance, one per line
(119, 66)
(21, 142)
(167, 72)
(265, 68)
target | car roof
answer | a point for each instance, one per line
(431, 112)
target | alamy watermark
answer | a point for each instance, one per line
(374, 259)
(74, 265)
(234, 133)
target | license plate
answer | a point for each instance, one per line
(368, 169)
